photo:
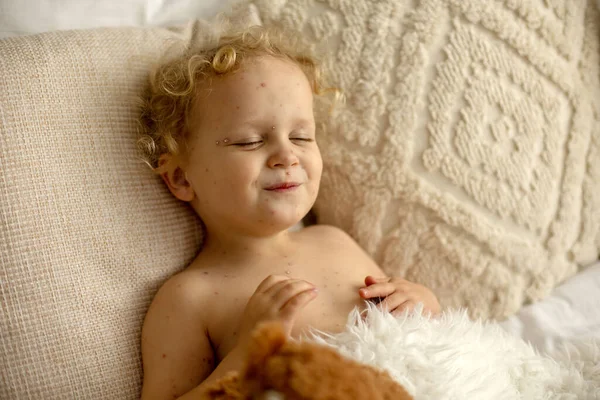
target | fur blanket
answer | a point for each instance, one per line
(453, 357)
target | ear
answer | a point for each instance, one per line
(174, 177)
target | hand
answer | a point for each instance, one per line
(398, 295)
(276, 298)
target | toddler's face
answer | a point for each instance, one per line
(253, 159)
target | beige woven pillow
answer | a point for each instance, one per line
(87, 232)
(468, 155)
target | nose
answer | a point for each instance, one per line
(282, 155)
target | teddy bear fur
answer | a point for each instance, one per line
(300, 370)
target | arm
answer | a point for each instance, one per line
(176, 351)
(177, 355)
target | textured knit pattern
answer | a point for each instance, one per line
(87, 232)
(467, 156)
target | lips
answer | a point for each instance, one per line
(283, 186)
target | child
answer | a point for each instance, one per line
(232, 132)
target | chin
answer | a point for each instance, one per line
(287, 225)
(284, 222)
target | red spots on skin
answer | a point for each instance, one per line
(164, 355)
(237, 107)
(263, 84)
(216, 292)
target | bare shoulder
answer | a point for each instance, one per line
(329, 234)
(176, 351)
(334, 239)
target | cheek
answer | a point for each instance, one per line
(316, 166)
(238, 177)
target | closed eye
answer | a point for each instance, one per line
(247, 144)
(304, 139)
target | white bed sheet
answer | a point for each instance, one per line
(571, 312)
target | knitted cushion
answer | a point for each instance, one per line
(467, 156)
(87, 232)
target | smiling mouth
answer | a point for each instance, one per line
(284, 187)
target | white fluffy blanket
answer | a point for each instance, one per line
(453, 357)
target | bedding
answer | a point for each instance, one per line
(75, 287)
(35, 16)
(571, 312)
(467, 155)
(87, 232)
(455, 358)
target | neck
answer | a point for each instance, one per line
(245, 247)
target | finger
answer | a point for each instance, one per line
(370, 280)
(269, 281)
(276, 287)
(296, 303)
(287, 290)
(393, 301)
(377, 290)
(407, 306)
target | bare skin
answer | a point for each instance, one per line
(202, 309)
(253, 171)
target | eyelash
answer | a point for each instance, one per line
(255, 143)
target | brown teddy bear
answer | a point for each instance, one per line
(302, 371)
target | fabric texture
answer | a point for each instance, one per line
(27, 17)
(569, 313)
(87, 232)
(467, 155)
(452, 357)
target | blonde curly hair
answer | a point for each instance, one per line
(171, 93)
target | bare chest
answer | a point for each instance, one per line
(337, 282)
